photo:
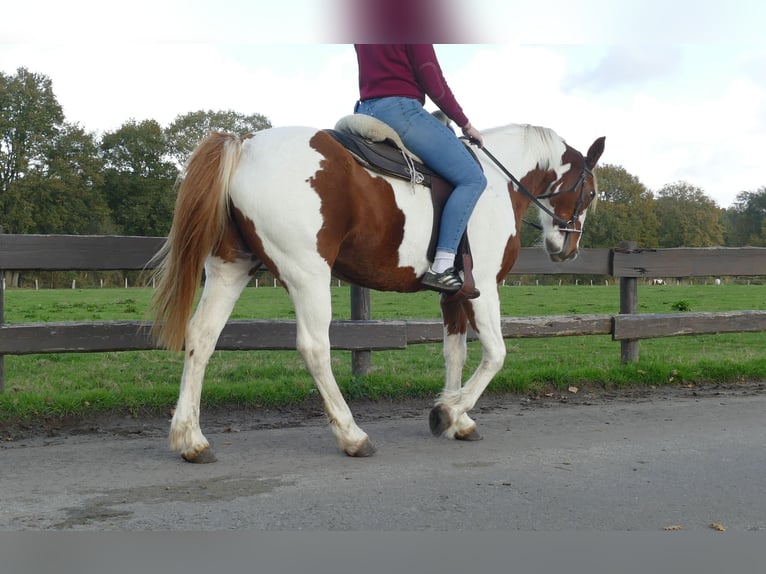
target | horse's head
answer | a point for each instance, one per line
(563, 205)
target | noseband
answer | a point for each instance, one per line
(565, 226)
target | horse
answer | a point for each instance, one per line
(296, 201)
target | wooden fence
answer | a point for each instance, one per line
(361, 335)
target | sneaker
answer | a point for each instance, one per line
(446, 282)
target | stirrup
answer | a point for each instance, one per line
(446, 282)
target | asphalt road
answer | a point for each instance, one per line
(676, 459)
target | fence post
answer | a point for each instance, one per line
(629, 304)
(2, 320)
(361, 361)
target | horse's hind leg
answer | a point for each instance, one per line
(310, 294)
(224, 282)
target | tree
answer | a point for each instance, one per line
(66, 192)
(30, 116)
(530, 235)
(139, 179)
(745, 221)
(188, 130)
(624, 211)
(687, 217)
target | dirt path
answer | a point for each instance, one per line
(311, 413)
(647, 459)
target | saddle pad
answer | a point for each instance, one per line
(374, 130)
(377, 145)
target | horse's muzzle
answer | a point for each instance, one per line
(567, 251)
(562, 256)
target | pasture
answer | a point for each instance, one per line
(74, 384)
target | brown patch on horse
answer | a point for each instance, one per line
(454, 315)
(569, 181)
(457, 315)
(457, 310)
(244, 227)
(536, 182)
(231, 247)
(363, 227)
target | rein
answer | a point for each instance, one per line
(563, 224)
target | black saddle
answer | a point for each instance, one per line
(387, 158)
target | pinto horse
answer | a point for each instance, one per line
(296, 201)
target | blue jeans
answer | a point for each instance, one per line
(442, 151)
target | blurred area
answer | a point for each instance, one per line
(398, 21)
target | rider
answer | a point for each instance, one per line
(393, 82)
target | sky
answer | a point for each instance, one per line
(677, 87)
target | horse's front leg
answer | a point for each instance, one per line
(455, 352)
(223, 284)
(449, 416)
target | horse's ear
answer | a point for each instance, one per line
(595, 151)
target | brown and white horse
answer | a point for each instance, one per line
(296, 201)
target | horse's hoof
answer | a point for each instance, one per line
(439, 420)
(203, 457)
(472, 435)
(367, 449)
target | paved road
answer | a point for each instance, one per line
(680, 458)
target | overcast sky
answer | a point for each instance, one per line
(678, 88)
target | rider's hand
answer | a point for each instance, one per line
(473, 135)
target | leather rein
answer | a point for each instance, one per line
(566, 226)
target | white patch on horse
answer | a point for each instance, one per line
(278, 197)
(493, 212)
(418, 221)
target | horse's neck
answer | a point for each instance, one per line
(529, 153)
(507, 147)
(522, 149)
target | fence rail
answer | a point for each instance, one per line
(360, 335)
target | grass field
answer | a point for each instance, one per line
(71, 384)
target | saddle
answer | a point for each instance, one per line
(376, 146)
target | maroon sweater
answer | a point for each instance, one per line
(407, 70)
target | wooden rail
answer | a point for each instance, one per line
(360, 335)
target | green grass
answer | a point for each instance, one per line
(77, 383)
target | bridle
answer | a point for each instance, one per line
(580, 183)
(565, 226)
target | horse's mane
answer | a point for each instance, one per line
(539, 144)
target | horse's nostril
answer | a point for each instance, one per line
(552, 247)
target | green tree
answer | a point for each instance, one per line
(30, 116)
(65, 193)
(745, 221)
(624, 211)
(687, 217)
(139, 178)
(530, 235)
(188, 130)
